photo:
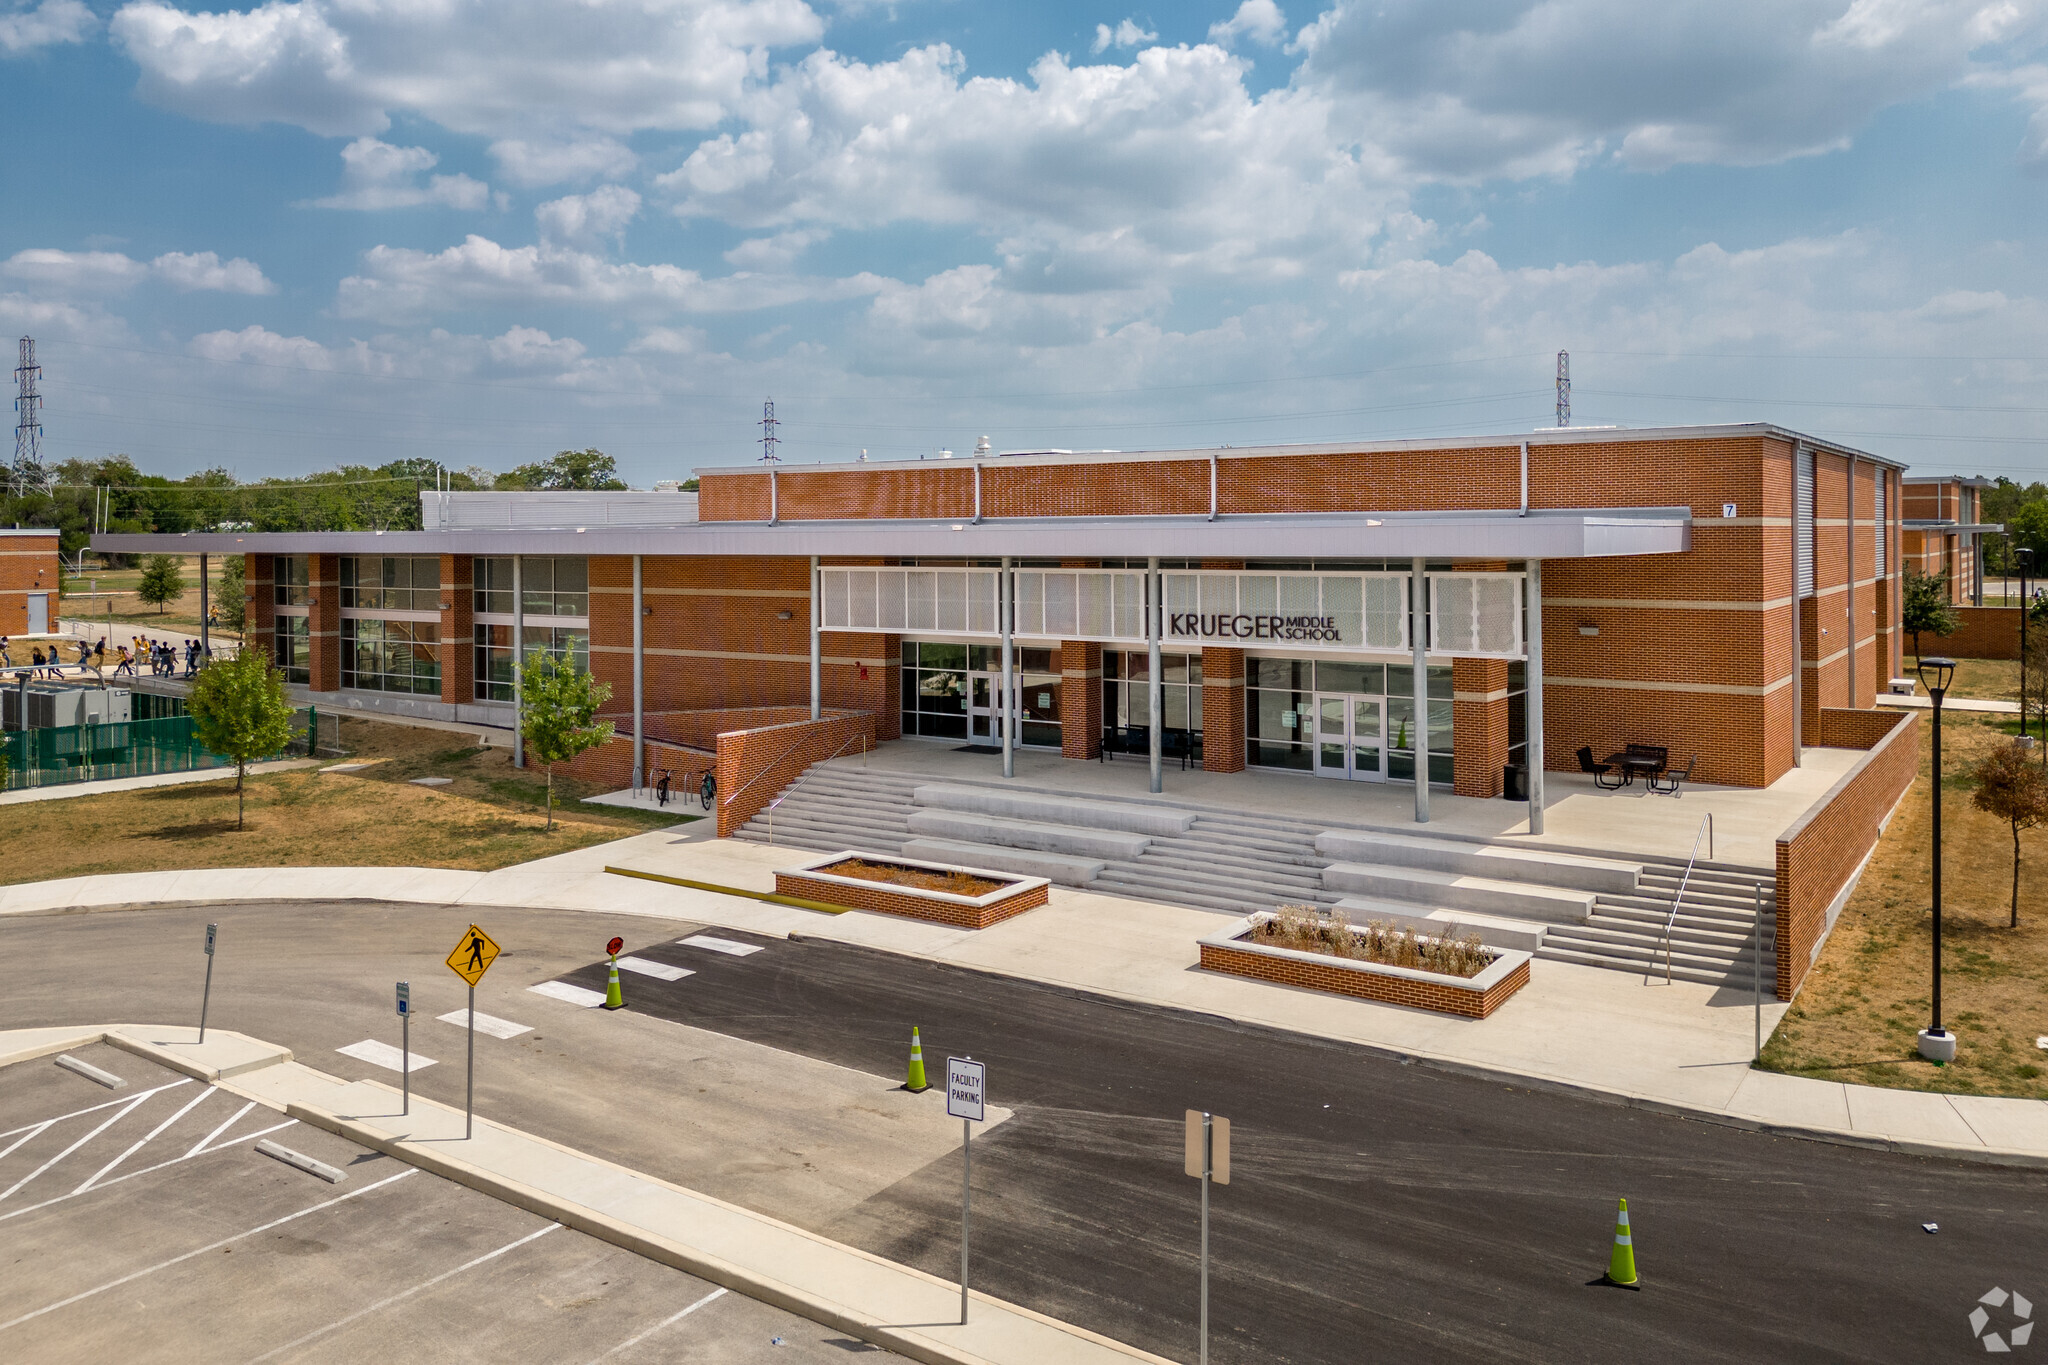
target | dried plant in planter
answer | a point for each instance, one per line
(1311, 929)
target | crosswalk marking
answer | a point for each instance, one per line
(647, 966)
(378, 1053)
(568, 994)
(485, 1023)
(721, 945)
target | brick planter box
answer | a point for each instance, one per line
(1474, 997)
(1014, 897)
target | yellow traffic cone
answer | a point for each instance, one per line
(1621, 1265)
(613, 998)
(917, 1084)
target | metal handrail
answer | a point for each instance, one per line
(734, 794)
(1671, 920)
(804, 776)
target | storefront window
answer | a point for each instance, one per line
(391, 656)
(553, 585)
(1280, 704)
(494, 654)
(292, 654)
(1127, 690)
(289, 581)
(391, 582)
(949, 692)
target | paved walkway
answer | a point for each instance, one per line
(829, 1282)
(1681, 1048)
(131, 784)
(1987, 704)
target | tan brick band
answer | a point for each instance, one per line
(911, 903)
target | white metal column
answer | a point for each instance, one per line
(1006, 608)
(518, 665)
(1532, 706)
(817, 647)
(1155, 621)
(1418, 636)
(639, 683)
(206, 632)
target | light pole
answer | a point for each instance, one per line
(1937, 1044)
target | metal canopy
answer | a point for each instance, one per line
(1581, 534)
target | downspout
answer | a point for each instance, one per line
(817, 650)
(1212, 485)
(1850, 558)
(639, 683)
(1525, 479)
(1533, 706)
(1418, 640)
(977, 496)
(518, 663)
(774, 508)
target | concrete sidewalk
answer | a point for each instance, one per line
(842, 1287)
(1679, 1048)
(148, 780)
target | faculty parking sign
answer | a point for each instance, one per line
(964, 1088)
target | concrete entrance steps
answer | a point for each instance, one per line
(1450, 891)
(1537, 865)
(1493, 931)
(1241, 862)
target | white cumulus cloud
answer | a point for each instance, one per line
(1259, 20)
(588, 219)
(536, 163)
(50, 23)
(377, 175)
(1125, 34)
(109, 272)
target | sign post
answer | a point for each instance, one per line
(472, 957)
(206, 992)
(405, 1043)
(1208, 1159)
(966, 1091)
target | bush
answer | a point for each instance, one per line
(1311, 929)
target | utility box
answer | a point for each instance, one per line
(1904, 687)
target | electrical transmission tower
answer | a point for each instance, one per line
(769, 440)
(28, 474)
(1564, 389)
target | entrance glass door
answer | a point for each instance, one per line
(1350, 739)
(985, 707)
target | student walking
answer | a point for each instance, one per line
(127, 665)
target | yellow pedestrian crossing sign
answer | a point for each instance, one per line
(473, 956)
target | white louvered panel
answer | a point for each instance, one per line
(921, 600)
(978, 586)
(1883, 564)
(1062, 606)
(1476, 615)
(832, 599)
(892, 589)
(860, 599)
(1129, 609)
(1385, 616)
(1028, 603)
(1802, 522)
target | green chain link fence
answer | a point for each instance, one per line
(133, 748)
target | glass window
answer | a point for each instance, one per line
(494, 654)
(494, 587)
(941, 656)
(1334, 677)
(292, 650)
(289, 581)
(551, 585)
(1127, 690)
(391, 582)
(391, 656)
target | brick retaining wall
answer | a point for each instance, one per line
(1819, 854)
(755, 765)
(1341, 978)
(1985, 633)
(909, 902)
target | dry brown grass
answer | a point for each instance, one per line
(953, 882)
(490, 815)
(1311, 929)
(1856, 1017)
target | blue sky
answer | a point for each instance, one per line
(282, 237)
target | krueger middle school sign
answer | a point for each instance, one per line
(1186, 625)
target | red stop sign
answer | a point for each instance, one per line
(615, 945)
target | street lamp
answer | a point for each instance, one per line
(1937, 1044)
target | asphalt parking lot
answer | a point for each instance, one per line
(140, 1223)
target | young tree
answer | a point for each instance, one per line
(1926, 607)
(2014, 790)
(558, 705)
(162, 581)
(240, 712)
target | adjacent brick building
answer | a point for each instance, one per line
(28, 582)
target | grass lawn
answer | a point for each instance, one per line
(129, 609)
(1857, 1014)
(490, 815)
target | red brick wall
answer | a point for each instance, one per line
(1822, 850)
(323, 627)
(1986, 633)
(755, 765)
(458, 632)
(1223, 710)
(1080, 699)
(28, 564)
(899, 900)
(1342, 980)
(1479, 725)
(260, 600)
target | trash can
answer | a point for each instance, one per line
(1514, 782)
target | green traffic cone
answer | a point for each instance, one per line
(614, 999)
(1621, 1264)
(917, 1083)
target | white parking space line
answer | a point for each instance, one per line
(383, 1054)
(211, 1246)
(647, 966)
(92, 1109)
(200, 1145)
(190, 1105)
(668, 1321)
(485, 1023)
(382, 1304)
(111, 1120)
(573, 995)
(721, 945)
(231, 1142)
